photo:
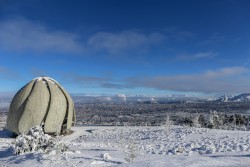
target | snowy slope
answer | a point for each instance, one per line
(224, 98)
(241, 98)
(150, 146)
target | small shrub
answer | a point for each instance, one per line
(195, 121)
(37, 140)
(167, 125)
(131, 152)
(105, 156)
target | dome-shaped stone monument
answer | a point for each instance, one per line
(42, 101)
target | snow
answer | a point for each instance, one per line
(36, 140)
(138, 147)
(239, 98)
(47, 79)
(38, 79)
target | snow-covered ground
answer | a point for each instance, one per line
(140, 146)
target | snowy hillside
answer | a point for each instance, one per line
(245, 97)
(241, 98)
(170, 146)
(224, 98)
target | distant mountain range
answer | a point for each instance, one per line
(245, 97)
(122, 98)
(239, 98)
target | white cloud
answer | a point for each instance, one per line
(225, 80)
(215, 38)
(117, 42)
(120, 97)
(196, 56)
(105, 81)
(204, 55)
(226, 72)
(21, 34)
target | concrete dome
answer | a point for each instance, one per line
(42, 100)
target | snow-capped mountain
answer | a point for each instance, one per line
(239, 98)
(224, 98)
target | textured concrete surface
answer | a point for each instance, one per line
(42, 100)
(57, 110)
(17, 107)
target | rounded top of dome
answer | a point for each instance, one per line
(46, 79)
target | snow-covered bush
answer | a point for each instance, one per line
(211, 120)
(37, 140)
(105, 156)
(214, 119)
(167, 125)
(129, 144)
(217, 120)
(195, 120)
(131, 152)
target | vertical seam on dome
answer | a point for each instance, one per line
(24, 104)
(48, 107)
(11, 109)
(67, 109)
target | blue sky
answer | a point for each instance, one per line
(150, 47)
